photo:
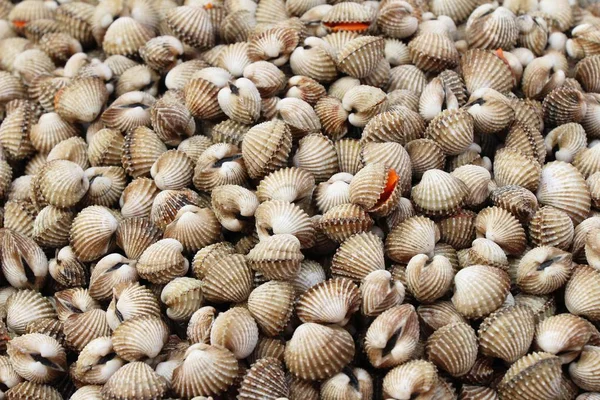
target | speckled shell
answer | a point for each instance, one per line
(545, 366)
(135, 380)
(266, 147)
(580, 297)
(453, 348)
(332, 346)
(476, 296)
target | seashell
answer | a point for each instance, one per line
(528, 175)
(73, 149)
(507, 333)
(585, 71)
(105, 148)
(162, 261)
(583, 371)
(439, 314)
(161, 53)
(573, 197)
(568, 138)
(24, 265)
(32, 63)
(425, 154)
(345, 220)
(128, 112)
(50, 130)
(380, 293)
(277, 256)
(414, 378)
(271, 305)
(228, 279)
(433, 52)
(299, 115)
(237, 26)
(172, 170)
(491, 111)
(25, 306)
(137, 198)
(590, 121)
(472, 300)
(349, 155)
(332, 116)
(267, 78)
(305, 88)
(12, 88)
(200, 324)
(135, 380)
(205, 370)
(543, 270)
(15, 129)
(80, 329)
(125, 36)
(477, 179)
(359, 57)
(266, 379)
(130, 300)
(81, 100)
(363, 102)
(459, 12)
(489, 28)
(545, 366)
(311, 273)
(314, 59)
(37, 357)
(92, 232)
(279, 217)
(392, 337)
(274, 45)
(201, 92)
(439, 193)
(452, 130)
(108, 272)
(428, 279)
(564, 105)
(345, 263)
(486, 69)
(141, 148)
(500, 226)
(586, 161)
(578, 304)
(138, 78)
(348, 17)
(182, 296)
(171, 120)
(59, 46)
(329, 344)
(234, 207)
(30, 390)
(331, 301)
(398, 19)
(240, 101)
(471, 392)
(266, 147)
(543, 75)
(51, 227)
(293, 185)
(139, 338)
(333, 192)
(423, 235)
(453, 348)
(527, 140)
(564, 335)
(97, 362)
(66, 270)
(317, 155)
(220, 164)
(236, 331)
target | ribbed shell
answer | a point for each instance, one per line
(416, 235)
(229, 279)
(80, 329)
(317, 154)
(453, 348)
(507, 333)
(81, 100)
(162, 261)
(266, 147)
(563, 335)
(491, 29)
(271, 305)
(141, 148)
(280, 217)
(140, 337)
(359, 57)
(439, 193)
(34, 391)
(276, 257)
(564, 105)
(25, 306)
(485, 69)
(236, 330)
(428, 279)
(414, 378)
(345, 220)
(265, 380)
(506, 173)
(480, 290)
(135, 380)
(581, 292)
(317, 352)
(584, 371)
(535, 376)
(206, 370)
(331, 301)
(92, 232)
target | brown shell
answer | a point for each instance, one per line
(266, 147)
(345, 220)
(271, 305)
(579, 302)
(474, 299)
(546, 368)
(453, 348)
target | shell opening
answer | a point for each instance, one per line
(391, 343)
(19, 24)
(45, 361)
(390, 186)
(347, 26)
(106, 358)
(353, 379)
(219, 163)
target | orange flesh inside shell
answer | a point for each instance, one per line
(19, 24)
(208, 6)
(390, 185)
(349, 26)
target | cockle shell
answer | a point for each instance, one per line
(135, 380)
(25, 306)
(329, 344)
(182, 296)
(439, 193)
(349, 384)
(37, 357)
(475, 296)
(229, 279)
(277, 256)
(417, 377)
(271, 306)
(23, 263)
(546, 366)
(108, 272)
(507, 333)
(583, 371)
(577, 303)
(266, 147)
(563, 335)
(92, 232)
(486, 69)
(331, 301)
(279, 217)
(543, 270)
(453, 348)
(139, 338)
(235, 330)
(30, 390)
(162, 261)
(428, 279)
(81, 100)
(265, 379)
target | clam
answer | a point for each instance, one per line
(453, 348)
(564, 335)
(475, 297)
(414, 378)
(507, 333)
(546, 367)
(37, 357)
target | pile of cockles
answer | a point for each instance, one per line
(300, 200)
